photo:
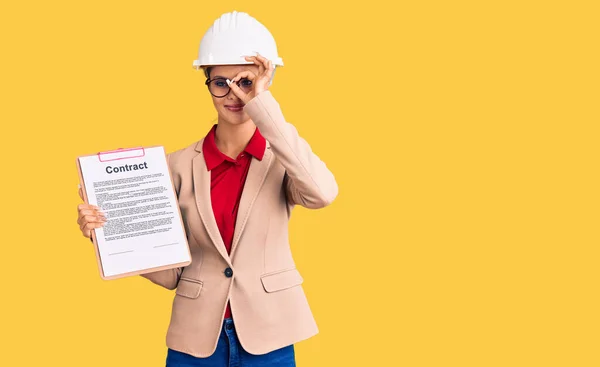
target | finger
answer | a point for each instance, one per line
(80, 192)
(237, 91)
(256, 61)
(91, 218)
(84, 223)
(92, 225)
(88, 206)
(267, 67)
(83, 212)
(89, 227)
(86, 229)
(96, 213)
(244, 74)
(263, 60)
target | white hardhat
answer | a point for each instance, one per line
(233, 36)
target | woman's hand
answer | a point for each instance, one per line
(90, 217)
(260, 82)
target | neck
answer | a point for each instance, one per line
(232, 139)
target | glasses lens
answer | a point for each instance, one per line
(218, 87)
(245, 85)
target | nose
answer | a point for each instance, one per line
(232, 97)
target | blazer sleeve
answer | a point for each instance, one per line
(166, 278)
(308, 182)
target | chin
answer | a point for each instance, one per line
(236, 118)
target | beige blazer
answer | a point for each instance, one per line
(260, 278)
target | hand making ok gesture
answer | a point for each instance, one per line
(260, 82)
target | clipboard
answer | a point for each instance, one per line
(123, 154)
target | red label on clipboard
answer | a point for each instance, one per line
(115, 155)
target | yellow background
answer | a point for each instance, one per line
(463, 135)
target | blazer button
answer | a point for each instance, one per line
(228, 272)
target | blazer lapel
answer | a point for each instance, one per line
(256, 176)
(203, 201)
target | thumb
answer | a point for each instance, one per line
(237, 91)
(80, 192)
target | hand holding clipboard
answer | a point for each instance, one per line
(89, 217)
(131, 212)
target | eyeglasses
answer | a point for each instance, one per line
(218, 86)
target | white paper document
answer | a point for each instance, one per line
(143, 229)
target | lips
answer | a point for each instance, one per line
(235, 107)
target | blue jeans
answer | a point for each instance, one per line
(229, 353)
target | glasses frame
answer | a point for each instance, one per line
(208, 81)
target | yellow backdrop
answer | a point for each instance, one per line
(463, 135)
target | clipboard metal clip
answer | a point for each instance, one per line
(118, 154)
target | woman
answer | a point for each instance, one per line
(240, 302)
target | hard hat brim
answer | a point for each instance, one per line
(197, 64)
